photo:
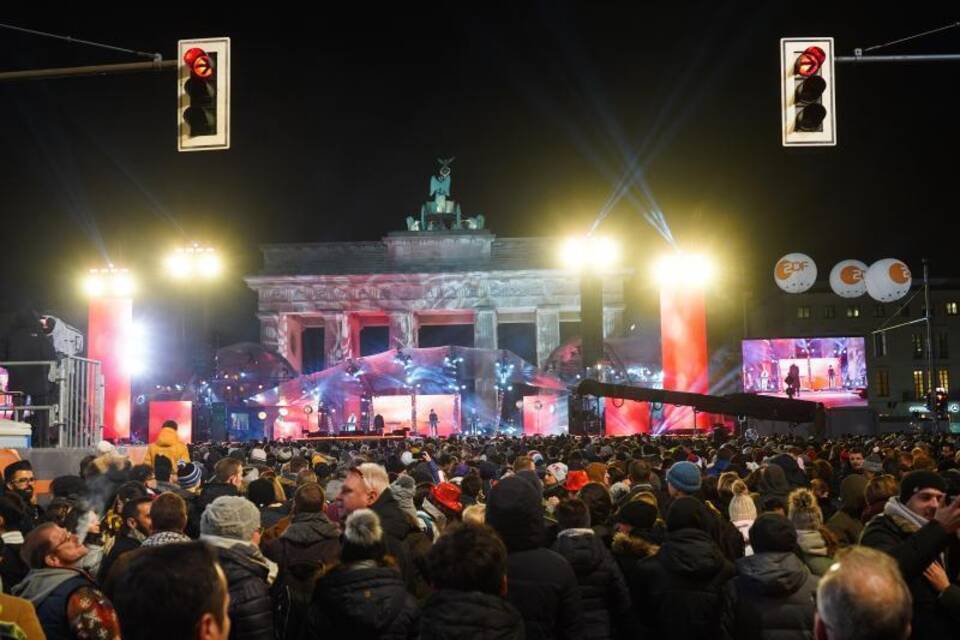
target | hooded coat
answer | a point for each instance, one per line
(169, 446)
(846, 522)
(772, 483)
(603, 590)
(791, 470)
(404, 541)
(541, 583)
(457, 615)
(363, 601)
(770, 599)
(678, 591)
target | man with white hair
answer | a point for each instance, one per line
(367, 486)
(863, 596)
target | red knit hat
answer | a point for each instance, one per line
(447, 494)
(576, 480)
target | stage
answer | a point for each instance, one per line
(828, 398)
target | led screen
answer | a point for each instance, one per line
(832, 371)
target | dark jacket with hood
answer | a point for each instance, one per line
(363, 601)
(251, 608)
(678, 591)
(629, 549)
(541, 583)
(934, 615)
(772, 484)
(770, 599)
(603, 590)
(404, 541)
(458, 615)
(211, 492)
(846, 523)
(791, 470)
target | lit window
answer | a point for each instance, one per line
(829, 311)
(919, 388)
(853, 311)
(951, 308)
(803, 312)
(883, 383)
(943, 379)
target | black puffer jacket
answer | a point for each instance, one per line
(603, 591)
(363, 601)
(934, 615)
(251, 609)
(678, 591)
(629, 550)
(458, 615)
(541, 583)
(771, 598)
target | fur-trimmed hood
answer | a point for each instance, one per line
(628, 545)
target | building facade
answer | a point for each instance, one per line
(897, 365)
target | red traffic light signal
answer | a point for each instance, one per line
(807, 97)
(204, 94)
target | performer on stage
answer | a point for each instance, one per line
(434, 423)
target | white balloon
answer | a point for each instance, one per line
(888, 280)
(795, 272)
(848, 278)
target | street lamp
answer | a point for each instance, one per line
(195, 261)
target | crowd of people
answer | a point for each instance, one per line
(537, 537)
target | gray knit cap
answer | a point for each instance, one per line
(403, 490)
(230, 517)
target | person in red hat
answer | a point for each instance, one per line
(576, 480)
(443, 504)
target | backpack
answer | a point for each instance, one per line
(293, 593)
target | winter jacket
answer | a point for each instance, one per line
(12, 567)
(678, 591)
(123, 544)
(311, 539)
(458, 615)
(772, 484)
(251, 609)
(21, 613)
(169, 446)
(845, 523)
(791, 470)
(603, 590)
(771, 598)
(628, 551)
(49, 591)
(934, 615)
(363, 601)
(813, 551)
(405, 542)
(541, 583)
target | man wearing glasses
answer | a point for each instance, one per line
(69, 603)
(19, 480)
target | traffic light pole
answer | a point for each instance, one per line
(92, 70)
(933, 57)
(927, 315)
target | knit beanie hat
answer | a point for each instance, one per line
(684, 476)
(638, 514)
(558, 470)
(230, 517)
(919, 480)
(258, 455)
(742, 507)
(188, 475)
(773, 532)
(362, 537)
(873, 463)
(803, 510)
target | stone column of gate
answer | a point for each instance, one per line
(403, 330)
(485, 337)
(269, 334)
(548, 332)
(338, 338)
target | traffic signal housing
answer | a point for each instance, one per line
(807, 96)
(203, 84)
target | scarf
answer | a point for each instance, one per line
(249, 549)
(902, 516)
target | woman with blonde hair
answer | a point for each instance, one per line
(817, 543)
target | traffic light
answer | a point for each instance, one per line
(807, 104)
(203, 82)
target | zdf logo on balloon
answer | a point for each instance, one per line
(795, 272)
(848, 278)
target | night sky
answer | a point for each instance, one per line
(338, 119)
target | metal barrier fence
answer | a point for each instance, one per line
(80, 415)
(78, 412)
